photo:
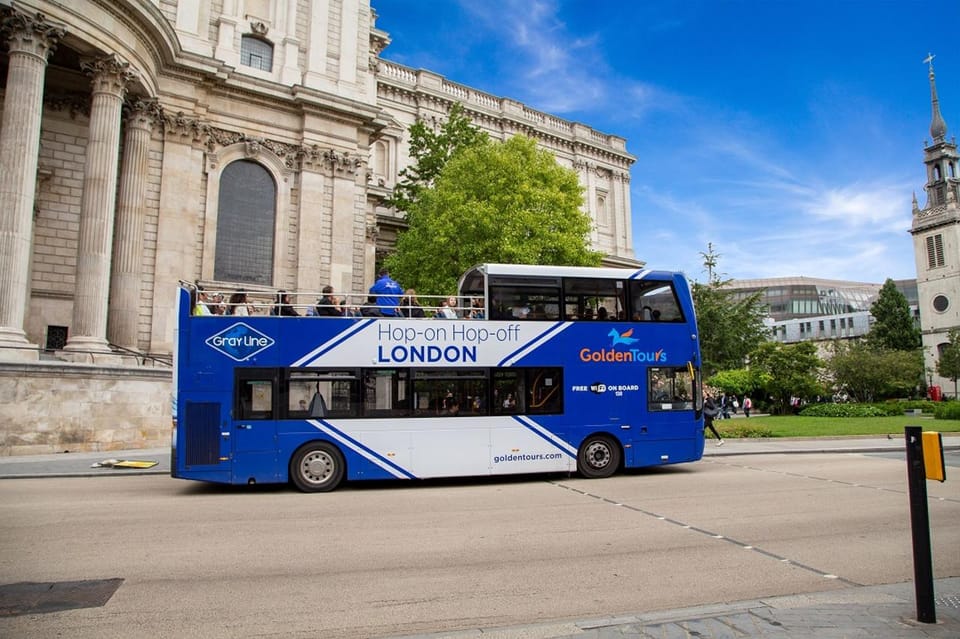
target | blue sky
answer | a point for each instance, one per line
(789, 133)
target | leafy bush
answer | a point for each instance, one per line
(742, 429)
(947, 410)
(925, 405)
(852, 410)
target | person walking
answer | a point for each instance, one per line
(710, 411)
(747, 405)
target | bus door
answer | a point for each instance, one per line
(254, 431)
(671, 419)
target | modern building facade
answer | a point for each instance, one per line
(936, 242)
(807, 309)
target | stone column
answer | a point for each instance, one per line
(125, 277)
(89, 330)
(31, 40)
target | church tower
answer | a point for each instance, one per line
(936, 243)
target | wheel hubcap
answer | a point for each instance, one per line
(598, 455)
(317, 467)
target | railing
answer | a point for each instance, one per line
(314, 304)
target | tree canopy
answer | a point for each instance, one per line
(868, 373)
(504, 202)
(788, 370)
(430, 150)
(729, 328)
(893, 326)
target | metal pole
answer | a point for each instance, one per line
(920, 526)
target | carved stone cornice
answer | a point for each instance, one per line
(294, 157)
(75, 103)
(332, 160)
(29, 33)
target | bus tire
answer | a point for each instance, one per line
(598, 457)
(317, 467)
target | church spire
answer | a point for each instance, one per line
(938, 128)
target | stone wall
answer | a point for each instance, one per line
(49, 407)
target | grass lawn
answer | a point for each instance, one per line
(796, 426)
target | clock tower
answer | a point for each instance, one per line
(936, 243)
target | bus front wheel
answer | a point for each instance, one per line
(599, 456)
(317, 467)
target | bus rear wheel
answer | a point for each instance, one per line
(317, 467)
(599, 456)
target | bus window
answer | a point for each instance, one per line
(593, 299)
(654, 302)
(508, 394)
(669, 389)
(546, 391)
(525, 298)
(317, 394)
(449, 392)
(254, 394)
(385, 393)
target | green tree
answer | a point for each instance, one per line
(949, 363)
(430, 150)
(504, 202)
(893, 326)
(788, 369)
(869, 374)
(739, 381)
(730, 326)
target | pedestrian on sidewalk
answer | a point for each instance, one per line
(747, 405)
(710, 411)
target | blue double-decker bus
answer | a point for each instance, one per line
(543, 369)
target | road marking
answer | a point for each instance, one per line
(711, 534)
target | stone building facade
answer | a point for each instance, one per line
(131, 130)
(936, 244)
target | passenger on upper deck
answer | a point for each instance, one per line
(238, 304)
(388, 293)
(371, 309)
(283, 306)
(202, 307)
(410, 306)
(329, 304)
(447, 309)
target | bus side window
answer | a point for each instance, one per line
(255, 398)
(545, 391)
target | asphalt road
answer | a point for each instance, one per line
(377, 560)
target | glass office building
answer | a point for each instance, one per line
(807, 308)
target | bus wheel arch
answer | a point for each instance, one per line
(599, 456)
(317, 467)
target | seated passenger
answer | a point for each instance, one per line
(602, 313)
(283, 306)
(329, 304)
(370, 309)
(446, 310)
(453, 408)
(538, 313)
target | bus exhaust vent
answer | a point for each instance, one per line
(203, 434)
